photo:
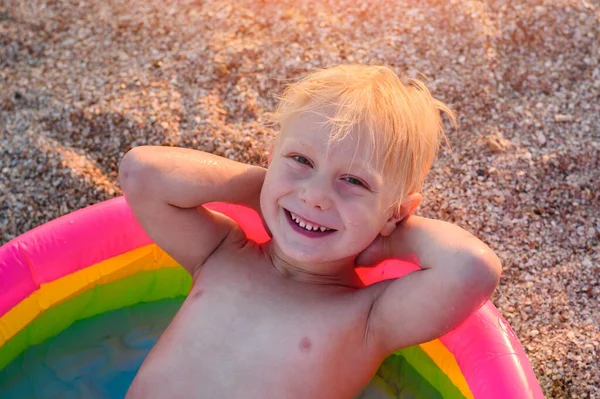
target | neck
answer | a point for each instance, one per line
(335, 273)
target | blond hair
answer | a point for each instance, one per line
(402, 119)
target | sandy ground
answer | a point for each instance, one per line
(81, 82)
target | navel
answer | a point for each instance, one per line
(305, 344)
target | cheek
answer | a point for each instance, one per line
(269, 190)
(363, 218)
(276, 185)
(358, 217)
(294, 172)
(286, 178)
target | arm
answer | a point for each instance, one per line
(459, 273)
(165, 188)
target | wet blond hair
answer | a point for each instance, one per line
(400, 118)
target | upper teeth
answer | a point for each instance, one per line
(307, 226)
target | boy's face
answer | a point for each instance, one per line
(337, 189)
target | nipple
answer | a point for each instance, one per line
(305, 344)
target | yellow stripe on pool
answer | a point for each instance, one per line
(446, 361)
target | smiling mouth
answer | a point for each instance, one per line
(308, 227)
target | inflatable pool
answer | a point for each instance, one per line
(84, 298)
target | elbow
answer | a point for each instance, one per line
(485, 271)
(131, 172)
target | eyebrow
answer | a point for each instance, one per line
(302, 143)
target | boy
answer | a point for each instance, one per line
(290, 318)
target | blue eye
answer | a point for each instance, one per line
(302, 160)
(354, 181)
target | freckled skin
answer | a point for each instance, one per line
(261, 337)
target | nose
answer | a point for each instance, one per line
(316, 194)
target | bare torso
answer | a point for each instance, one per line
(247, 331)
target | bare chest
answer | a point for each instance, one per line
(241, 301)
(241, 319)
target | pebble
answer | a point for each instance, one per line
(563, 118)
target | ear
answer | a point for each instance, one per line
(408, 205)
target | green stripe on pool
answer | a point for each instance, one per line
(76, 349)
